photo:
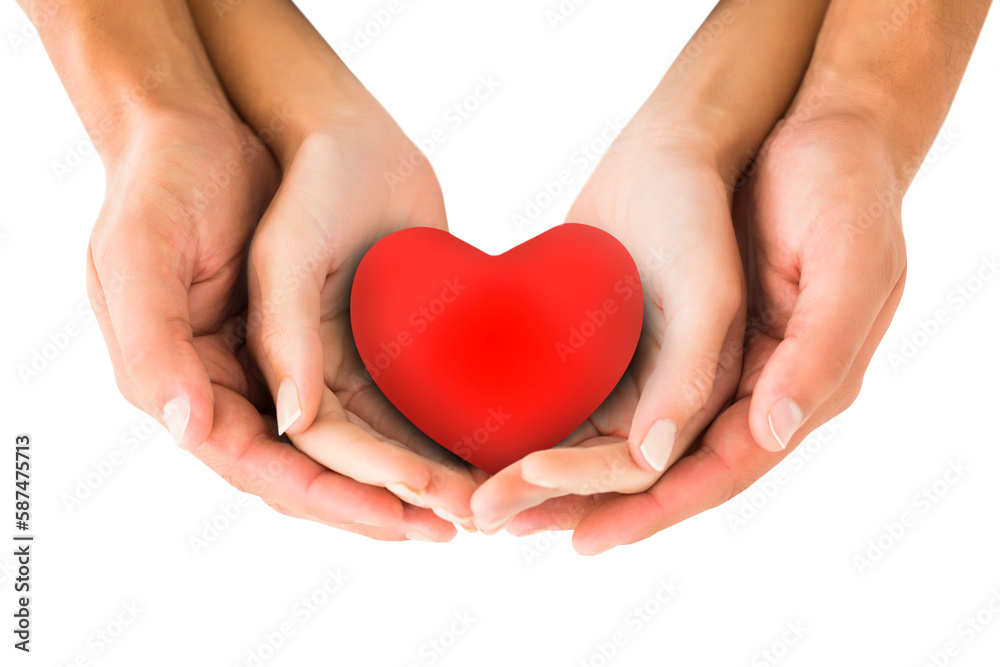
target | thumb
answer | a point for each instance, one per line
(284, 327)
(681, 385)
(157, 366)
(835, 309)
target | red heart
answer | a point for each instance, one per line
(495, 357)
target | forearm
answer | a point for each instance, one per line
(271, 60)
(897, 66)
(119, 59)
(738, 74)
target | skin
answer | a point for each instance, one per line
(173, 308)
(821, 208)
(335, 202)
(165, 267)
(664, 189)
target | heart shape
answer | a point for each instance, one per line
(495, 357)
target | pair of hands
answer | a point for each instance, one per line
(790, 261)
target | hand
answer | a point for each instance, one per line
(340, 194)
(819, 221)
(243, 449)
(166, 255)
(165, 275)
(665, 199)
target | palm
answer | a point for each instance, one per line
(673, 216)
(183, 191)
(818, 207)
(343, 192)
(796, 217)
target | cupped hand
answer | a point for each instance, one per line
(352, 182)
(243, 449)
(820, 226)
(663, 197)
(166, 257)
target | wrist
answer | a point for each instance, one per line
(829, 93)
(319, 114)
(693, 125)
(121, 65)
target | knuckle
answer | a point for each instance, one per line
(838, 363)
(273, 337)
(141, 359)
(279, 508)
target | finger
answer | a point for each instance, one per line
(418, 524)
(723, 465)
(495, 503)
(145, 293)
(285, 276)
(562, 513)
(452, 482)
(352, 450)
(834, 311)
(450, 485)
(727, 460)
(601, 465)
(242, 450)
(683, 379)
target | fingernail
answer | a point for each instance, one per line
(785, 418)
(527, 533)
(594, 552)
(495, 527)
(408, 494)
(448, 516)
(418, 536)
(176, 413)
(287, 405)
(658, 444)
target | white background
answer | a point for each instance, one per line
(793, 560)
